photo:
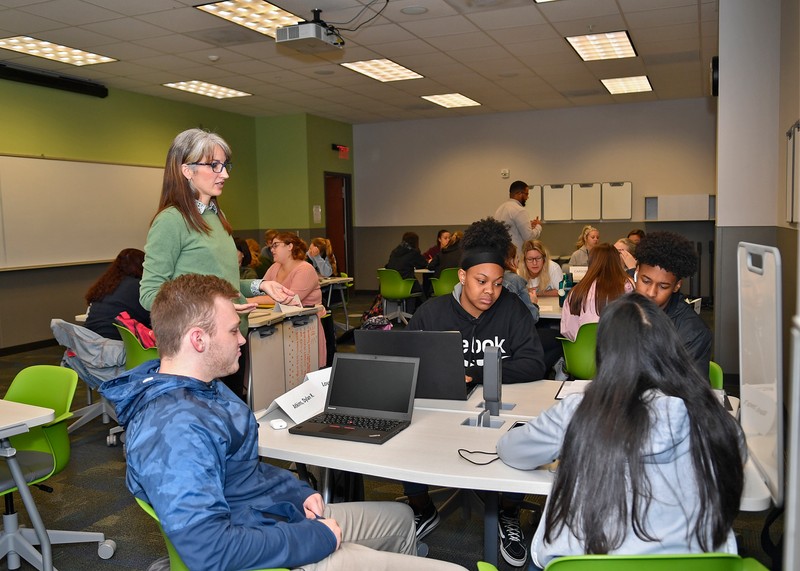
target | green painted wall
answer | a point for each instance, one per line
(322, 133)
(124, 128)
(282, 172)
(293, 154)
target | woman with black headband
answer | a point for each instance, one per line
(485, 314)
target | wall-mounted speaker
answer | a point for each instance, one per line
(50, 79)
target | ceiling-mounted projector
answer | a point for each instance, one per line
(310, 36)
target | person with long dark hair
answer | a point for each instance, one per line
(650, 462)
(605, 281)
(115, 291)
(189, 233)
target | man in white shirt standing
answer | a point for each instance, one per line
(512, 212)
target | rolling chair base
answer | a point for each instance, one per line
(18, 543)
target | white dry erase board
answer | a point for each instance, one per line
(57, 212)
(557, 202)
(760, 361)
(617, 201)
(586, 201)
(534, 203)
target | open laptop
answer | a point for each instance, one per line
(441, 358)
(370, 399)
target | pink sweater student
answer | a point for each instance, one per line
(304, 281)
(571, 323)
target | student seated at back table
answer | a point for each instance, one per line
(442, 238)
(539, 270)
(117, 290)
(517, 285)
(588, 239)
(320, 255)
(664, 259)
(485, 313)
(192, 454)
(605, 281)
(664, 477)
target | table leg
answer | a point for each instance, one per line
(491, 503)
(326, 485)
(27, 501)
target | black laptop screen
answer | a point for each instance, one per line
(376, 383)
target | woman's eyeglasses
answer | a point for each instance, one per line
(216, 166)
(276, 244)
(534, 260)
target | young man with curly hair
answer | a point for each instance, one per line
(664, 260)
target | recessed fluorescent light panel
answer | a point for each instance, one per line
(610, 45)
(55, 52)
(256, 15)
(207, 89)
(451, 100)
(634, 84)
(543, 1)
(382, 70)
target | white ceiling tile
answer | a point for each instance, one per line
(506, 55)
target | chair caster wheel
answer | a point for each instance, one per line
(111, 440)
(106, 549)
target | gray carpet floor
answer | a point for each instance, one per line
(90, 494)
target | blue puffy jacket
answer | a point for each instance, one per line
(192, 454)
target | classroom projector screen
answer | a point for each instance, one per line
(57, 212)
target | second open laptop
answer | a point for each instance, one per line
(441, 358)
(370, 399)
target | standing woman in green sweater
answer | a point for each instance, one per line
(190, 235)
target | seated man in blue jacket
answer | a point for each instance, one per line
(192, 454)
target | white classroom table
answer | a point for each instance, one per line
(17, 418)
(549, 308)
(337, 284)
(414, 456)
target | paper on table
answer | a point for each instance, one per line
(306, 399)
(294, 306)
(575, 387)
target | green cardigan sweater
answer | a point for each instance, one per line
(174, 249)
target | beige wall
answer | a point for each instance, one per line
(423, 175)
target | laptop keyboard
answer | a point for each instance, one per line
(379, 424)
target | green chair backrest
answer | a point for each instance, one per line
(715, 375)
(51, 387)
(684, 562)
(579, 354)
(175, 562)
(135, 354)
(393, 286)
(344, 275)
(447, 280)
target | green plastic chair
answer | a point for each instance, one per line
(135, 354)
(444, 284)
(175, 562)
(51, 387)
(579, 354)
(395, 288)
(684, 562)
(715, 375)
(484, 566)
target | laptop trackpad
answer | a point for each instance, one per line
(337, 430)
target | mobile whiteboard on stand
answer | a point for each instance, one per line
(760, 361)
